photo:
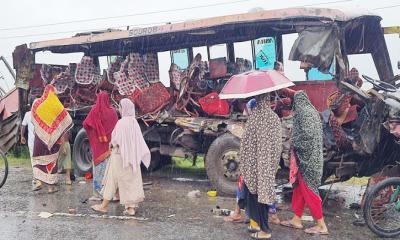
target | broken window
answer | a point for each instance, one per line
(218, 51)
(365, 66)
(292, 69)
(103, 63)
(316, 46)
(243, 50)
(203, 52)
(47, 57)
(315, 75)
(164, 59)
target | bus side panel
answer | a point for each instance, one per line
(317, 91)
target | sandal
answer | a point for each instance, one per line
(253, 230)
(97, 208)
(257, 235)
(315, 231)
(233, 219)
(289, 224)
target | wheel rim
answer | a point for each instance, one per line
(383, 211)
(3, 169)
(85, 159)
(230, 165)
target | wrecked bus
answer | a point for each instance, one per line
(203, 54)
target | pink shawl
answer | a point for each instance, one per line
(128, 137)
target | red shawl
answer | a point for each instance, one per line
(99, 125)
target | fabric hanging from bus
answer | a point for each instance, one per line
(316, 45)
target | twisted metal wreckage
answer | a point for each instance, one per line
(174, 122)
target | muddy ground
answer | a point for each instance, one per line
(167, 214)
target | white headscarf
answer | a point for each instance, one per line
(128, 137)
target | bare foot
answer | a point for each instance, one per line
(129, 211)
(68, 181)
(95, 199)
(52, 189)
(99, 208)
(38, 185)
(274, 219)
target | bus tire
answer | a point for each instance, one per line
(222, 163)
(82, 155)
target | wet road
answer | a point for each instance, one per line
(167, 211)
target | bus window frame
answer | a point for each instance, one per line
(189, 55)
(226, 50)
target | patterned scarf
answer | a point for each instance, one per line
(307, 141)
(50, 118)
(260, 150)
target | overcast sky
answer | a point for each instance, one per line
(18, 14)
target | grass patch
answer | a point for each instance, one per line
(18, 157)
(182, 167)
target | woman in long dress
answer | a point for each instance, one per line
(260, 151)
(51, 120)
(308, 156)
(99, 125)
(123, 171)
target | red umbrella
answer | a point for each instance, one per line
(254, 83)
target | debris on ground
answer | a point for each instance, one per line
(307, 218)
(217, 211)
(72, 211)
(147, 183)
(194, 194)
(45, 214)
(189, 180)
(100, 216)
(212, 193)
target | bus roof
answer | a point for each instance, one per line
(200, 28)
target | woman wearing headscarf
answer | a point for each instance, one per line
(51, 120)
(99, 125)
(123, 172)
(260, 152)
(307, 168)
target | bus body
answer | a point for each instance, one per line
(217, 138)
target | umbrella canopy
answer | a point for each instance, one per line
(254, 83)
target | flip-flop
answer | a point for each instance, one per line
(289, 224)
(234, 220)
(253, 230)
(315, 231)
(256, 236)
(97, 210)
